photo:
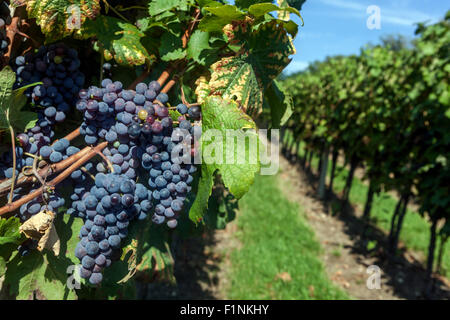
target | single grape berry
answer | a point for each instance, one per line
(194, 112)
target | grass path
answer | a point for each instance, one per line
(279, 255)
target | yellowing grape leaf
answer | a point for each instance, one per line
(233, 78)
(60, 18)
(119, 40)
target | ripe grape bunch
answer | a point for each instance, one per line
(143, 142)
(108, 206)
(57, 67)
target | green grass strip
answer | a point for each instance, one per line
(276, 241)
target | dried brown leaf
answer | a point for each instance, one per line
(41, 227)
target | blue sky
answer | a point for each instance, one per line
(339, 26)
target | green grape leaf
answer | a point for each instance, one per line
(12, 103)
(228, 12)
(147, 254)
(9, 231)
(10, 237)
(234, 152)
(197, 46)
(60, 18)
(244, 4)
(7, 79)
(159, 6)
(171, 48)
(447, 113)
(41, 275)
(260, 9)
(208, 3)
(222, 208)
(119, 40)
(281, 104)
(221, 16)
(174, 114)
(205, 184)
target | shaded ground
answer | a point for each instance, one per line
(201, 266)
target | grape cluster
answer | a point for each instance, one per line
(142, 140)
(57, 67)
(51, 201)
(168, 162)
(110, 204)
(3, 40)
(6, 161)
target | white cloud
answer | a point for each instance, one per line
(296, 66)
(344, 4)
(314, 35)
(397, 14)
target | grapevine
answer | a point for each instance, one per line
(103, 126)
(392, 122)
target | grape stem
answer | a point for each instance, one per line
(189, 30)
(110, 166)
(139, 79)
(86, 171)
(183, 98)
(52, 184)
(13, 29)
(36, 173)
(115, 11)
(166, 89)
(25, 178)
(166, 73)
(75, 133)
(13, 179)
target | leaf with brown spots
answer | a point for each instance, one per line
(120, 40)
(59, 18)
